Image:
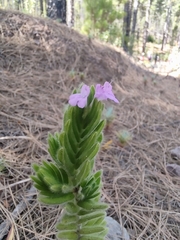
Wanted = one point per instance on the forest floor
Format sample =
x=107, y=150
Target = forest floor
x=41, y=62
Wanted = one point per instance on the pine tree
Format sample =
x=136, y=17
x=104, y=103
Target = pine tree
x=100, y=15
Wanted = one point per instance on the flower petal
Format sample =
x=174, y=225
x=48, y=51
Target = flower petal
x=99, y=93
x=80, y=99
x=82, y=102
x=73, y=99
x=85, y=90
x=105, y=92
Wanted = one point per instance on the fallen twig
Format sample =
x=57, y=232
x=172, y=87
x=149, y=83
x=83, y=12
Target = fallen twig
x=4, y=226
x=14, y=184
x=14, y=137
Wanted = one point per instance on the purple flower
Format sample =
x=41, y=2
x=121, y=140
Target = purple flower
x=80, y=99
x=104, y=92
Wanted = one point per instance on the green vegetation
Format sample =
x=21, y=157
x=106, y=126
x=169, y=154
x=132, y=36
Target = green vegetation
x=69, y=179
x=124, y=137
x=125, y=23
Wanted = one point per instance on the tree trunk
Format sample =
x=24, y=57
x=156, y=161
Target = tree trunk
x=79, y=18
x=135, y=12
x=134, y=21
x=81, y=10
x=127, y=24
x=146, y=25
x=57, y=10
x=61, y=10
x=17, y=4
x=166, y=26
x=41, y=7
x=70, y=15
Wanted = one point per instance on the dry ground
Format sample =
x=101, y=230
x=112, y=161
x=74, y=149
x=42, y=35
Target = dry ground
x=40, y=63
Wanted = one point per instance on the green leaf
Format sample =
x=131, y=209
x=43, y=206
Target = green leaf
x=91, y=230
x=90, y=153
x=91, y=96
x=56, y=188
x=92, y=124
x=50, y=181
x=66, y=188
x=74, y=129
x=68, y=235
x=35, y=167
x=69, y=150
x=36, y=180
x=69, y=226
x=92, y=193
x=53, y=171
x=92, y=237
x=94, y=221
x=63, y=158
x=67, y=218
x=69, y=181
x=73, y=140
x=58, y=173
x=77, y=117
x=85, y=219
x=83, y=172
x=55, y=199
x=92, y=205
x=72, y=208
x=53, y=146
x=68, y=115
x=88, y=141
